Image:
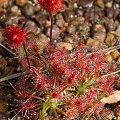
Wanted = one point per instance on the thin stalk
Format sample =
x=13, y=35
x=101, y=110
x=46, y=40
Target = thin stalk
x=12, y=76
x=111, y=73
x=94, y=11
x=29, y=98
x=26, y=55
x=37, y=97
x=107, y=49
x=40, y=57
x=56, y=113
x=54, y=77
x=64, y=88
x=7, y=49
x=61, y=111
x=50, y=114
x=50, y=13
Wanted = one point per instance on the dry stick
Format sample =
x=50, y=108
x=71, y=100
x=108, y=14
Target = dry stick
x=7, y=49
x=111, y=73
x=12, y=76
x=104, y=50
x=15, y=54
x=26, y=55
x=107, y=49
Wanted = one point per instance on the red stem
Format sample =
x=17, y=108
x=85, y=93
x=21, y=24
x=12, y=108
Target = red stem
x=51, y=27
x=26, y=55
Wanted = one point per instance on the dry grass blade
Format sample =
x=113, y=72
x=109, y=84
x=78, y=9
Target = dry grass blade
x=7, y=49
x=107, y=49
x=11, y=76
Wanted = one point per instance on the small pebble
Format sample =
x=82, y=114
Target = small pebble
x=69, y=15
x=55, y=32
x=115, y=54
x=68, y=39
x=37, y=8
x=79, y=12
x=60, y=22
x=40, y=19
x=110, y=26
x=109, y=39
x=118, y=29
x=3, y=106
x=67, y=46
x=85, y=3
x=59, y=16
x=117, y=111
x=113, y=38
x=30, y=29
x=99, y=35
x=14, y=9
x=109, y=4
x=3, y=63
x=28, y=10
x=94, y=44
x=108, y=58
x=109, y=12
x=99, y=27
x=41, y=42
x=1, y=37
x=8, y=71
x=89, y=16
x=3, y=116
x=30, y=22
x=105, y=1
x=21, y=2
x=3, y=15
x=118, y=1
x=71, y=28
x=100, y=3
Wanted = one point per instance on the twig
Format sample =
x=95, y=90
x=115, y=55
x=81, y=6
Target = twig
x=111, y=73
x=104, y=50
x=12, y=76
x=7, y=49
x=107, y=49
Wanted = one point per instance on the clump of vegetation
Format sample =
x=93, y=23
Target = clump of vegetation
x=61, y=85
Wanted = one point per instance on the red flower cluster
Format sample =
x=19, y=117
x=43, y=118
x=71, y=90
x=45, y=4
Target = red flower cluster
x=51, y=5
x=14, y=35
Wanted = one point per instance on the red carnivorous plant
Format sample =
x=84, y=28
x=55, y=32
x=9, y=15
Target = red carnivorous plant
x=69, y=86
x=63, y=86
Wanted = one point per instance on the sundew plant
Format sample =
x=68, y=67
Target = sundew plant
x=62, y=85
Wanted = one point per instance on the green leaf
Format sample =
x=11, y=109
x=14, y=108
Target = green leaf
x=21, y=51
x=101, y=95
x=82, y=86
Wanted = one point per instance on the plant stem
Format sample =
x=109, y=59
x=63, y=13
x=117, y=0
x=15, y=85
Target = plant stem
x=54, y=77
x=56, y=113
x=26, y=55
x=50, y=13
